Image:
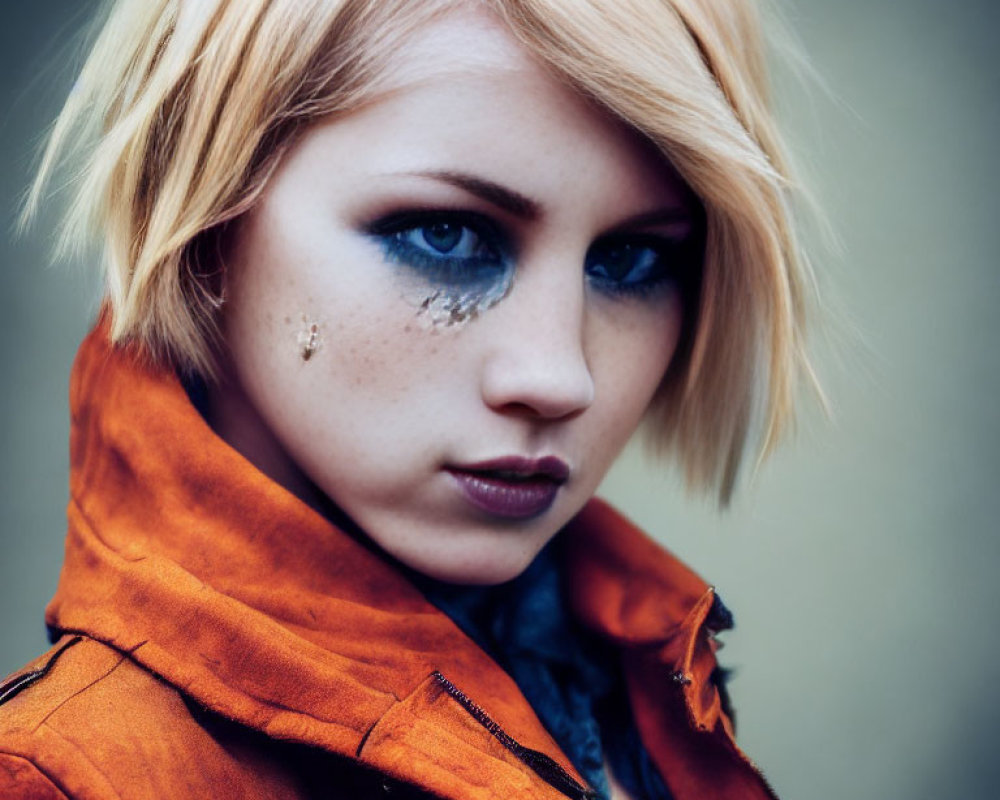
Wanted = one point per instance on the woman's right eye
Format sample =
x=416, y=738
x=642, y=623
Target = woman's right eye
x=446, y=239
x=453, y=248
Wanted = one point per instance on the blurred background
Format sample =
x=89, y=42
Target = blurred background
x=861, y=559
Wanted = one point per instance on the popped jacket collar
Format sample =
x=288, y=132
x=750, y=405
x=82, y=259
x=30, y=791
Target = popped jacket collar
x=183, y=555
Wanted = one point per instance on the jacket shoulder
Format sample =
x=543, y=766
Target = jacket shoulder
x=86, y=721
x=20, y=779
x=36, y=760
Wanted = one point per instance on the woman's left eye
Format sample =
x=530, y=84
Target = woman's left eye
x=635, y=265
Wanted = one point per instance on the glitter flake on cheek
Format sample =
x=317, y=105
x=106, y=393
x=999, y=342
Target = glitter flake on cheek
x=454, y=306
x=309, y=339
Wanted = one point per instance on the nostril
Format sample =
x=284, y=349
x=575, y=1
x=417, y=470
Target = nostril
x=533, y=411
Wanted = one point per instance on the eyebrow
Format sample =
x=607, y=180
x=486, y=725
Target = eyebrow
x=502, y=197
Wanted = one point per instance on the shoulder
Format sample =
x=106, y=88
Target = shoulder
x=39, y=750
x=85, y=721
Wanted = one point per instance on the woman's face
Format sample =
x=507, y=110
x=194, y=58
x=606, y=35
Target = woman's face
x=450, y=308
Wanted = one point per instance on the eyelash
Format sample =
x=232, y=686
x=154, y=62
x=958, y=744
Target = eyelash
x=495, y=253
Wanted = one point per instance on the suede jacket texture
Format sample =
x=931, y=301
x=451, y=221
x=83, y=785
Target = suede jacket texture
x=217, y=638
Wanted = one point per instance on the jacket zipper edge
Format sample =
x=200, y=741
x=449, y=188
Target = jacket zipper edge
x=541, y=764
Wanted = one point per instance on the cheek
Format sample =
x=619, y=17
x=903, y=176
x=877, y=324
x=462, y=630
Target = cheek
x=629, y=366
x=309, y=338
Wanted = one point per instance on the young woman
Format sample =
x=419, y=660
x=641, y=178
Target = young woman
x=390, y=285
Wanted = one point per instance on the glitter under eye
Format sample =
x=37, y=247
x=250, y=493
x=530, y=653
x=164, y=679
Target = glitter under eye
x=455, y=265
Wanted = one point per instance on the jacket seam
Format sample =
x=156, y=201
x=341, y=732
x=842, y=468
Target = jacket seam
x=184, y=690
x=364, y=738
x=77, y=693
x=83, y=756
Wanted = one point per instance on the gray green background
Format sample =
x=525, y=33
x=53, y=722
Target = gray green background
x=861, y=561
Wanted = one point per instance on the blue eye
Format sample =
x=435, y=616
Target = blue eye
x=454, y=249
x=636, y=265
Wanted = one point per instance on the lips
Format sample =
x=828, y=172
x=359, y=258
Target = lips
x=512, y=487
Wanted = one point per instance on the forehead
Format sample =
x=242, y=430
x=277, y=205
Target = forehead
x=459, y=94
x=462, y=59
x=459, y=42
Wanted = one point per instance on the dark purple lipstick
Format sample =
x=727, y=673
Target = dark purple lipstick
x=512, y=487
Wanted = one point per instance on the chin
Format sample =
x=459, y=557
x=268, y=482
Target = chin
x=473, y=566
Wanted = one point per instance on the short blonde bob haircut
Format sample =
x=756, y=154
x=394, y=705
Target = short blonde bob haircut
x=185, y=107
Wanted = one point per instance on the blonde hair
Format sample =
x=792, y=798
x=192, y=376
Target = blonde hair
x=190, y=105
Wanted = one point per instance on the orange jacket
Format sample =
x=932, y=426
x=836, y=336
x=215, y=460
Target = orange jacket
x=220, y=639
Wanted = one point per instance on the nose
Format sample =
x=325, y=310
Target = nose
x=536, y=362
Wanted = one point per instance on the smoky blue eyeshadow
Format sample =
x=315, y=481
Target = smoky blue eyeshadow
x=640, y=265
x=441, y=268
x=468, y=252
x=446, y=249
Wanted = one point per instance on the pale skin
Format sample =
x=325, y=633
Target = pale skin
x=339, y=386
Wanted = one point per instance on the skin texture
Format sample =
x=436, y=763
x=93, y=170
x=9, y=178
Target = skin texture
x=392, y=395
